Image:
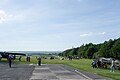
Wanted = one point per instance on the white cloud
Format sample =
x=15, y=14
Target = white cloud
x=92, y=34
x=2, y=16
x=8, y=17
x=86, y=34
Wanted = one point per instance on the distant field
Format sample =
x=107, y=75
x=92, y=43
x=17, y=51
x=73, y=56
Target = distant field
x=83, y=64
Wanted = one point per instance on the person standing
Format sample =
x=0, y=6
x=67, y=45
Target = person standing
x=112, y=65
x=28, y=58
x=0, y=57
x=20, y=58
x=9, y=60
x=94, y=63
x=39, y=61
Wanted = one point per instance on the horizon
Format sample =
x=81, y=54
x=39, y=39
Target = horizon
x=49, y=51
x=30, y=51
x=57, y=25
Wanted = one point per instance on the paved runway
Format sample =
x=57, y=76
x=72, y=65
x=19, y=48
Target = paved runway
x=55, y=72
x=44, y=72
x=17, y=72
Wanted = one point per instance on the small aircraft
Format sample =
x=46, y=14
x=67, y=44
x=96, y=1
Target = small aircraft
x=6, y=55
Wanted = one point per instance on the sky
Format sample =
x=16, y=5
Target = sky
x=57, y=25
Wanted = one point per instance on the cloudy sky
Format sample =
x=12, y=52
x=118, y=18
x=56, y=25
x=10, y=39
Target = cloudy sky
x=57, y=24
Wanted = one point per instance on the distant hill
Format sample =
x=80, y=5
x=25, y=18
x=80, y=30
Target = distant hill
x=107, y=49
x=37, y=52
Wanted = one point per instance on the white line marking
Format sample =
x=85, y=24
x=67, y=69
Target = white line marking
x=83, y=75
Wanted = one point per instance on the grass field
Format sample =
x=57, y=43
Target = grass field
x=83, y=64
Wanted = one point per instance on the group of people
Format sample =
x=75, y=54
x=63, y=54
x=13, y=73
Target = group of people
x=99, y=64
x=95, y=63
x=27, y=59
x=38, y=58
x=70, y=57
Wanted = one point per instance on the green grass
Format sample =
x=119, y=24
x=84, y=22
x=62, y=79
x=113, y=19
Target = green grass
x=83, y=64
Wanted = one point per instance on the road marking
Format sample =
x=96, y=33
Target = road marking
x=83, y=75
x=31, y=64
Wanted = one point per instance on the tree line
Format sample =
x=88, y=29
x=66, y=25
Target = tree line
x=108, y=49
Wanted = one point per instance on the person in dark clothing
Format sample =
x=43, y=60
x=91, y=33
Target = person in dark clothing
x=28, y=58
x=70, y=57
x=39, y=61
x=0, y=57
x=98, y=63
x=10, y=61
x=94, y=64
x=20, y=58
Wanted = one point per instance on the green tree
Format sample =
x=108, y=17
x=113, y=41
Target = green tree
x=116, y=49
x=109, y=48
x=90, y=51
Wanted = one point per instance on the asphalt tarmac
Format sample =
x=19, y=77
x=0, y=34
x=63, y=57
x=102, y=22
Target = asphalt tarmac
x=44, y=72
x=55, y=72
x=62, y=72
x=16, y=72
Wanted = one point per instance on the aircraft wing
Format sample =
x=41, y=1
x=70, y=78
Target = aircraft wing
x=13, y=53
x=17, y=54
